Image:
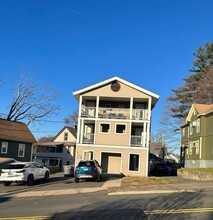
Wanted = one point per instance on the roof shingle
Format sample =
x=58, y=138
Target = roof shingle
x=15, y=131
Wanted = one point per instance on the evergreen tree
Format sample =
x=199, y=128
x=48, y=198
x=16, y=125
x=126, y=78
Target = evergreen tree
x=194, y=87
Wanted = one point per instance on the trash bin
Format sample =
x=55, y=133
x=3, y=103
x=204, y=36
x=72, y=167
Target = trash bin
x=69, y=170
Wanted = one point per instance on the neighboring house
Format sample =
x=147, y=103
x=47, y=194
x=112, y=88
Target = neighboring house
x=161, y=152
x=197, y=137
x=157, y=149
x=16, y=140
x=114, y=126
x=58, y=153
x=171, y=157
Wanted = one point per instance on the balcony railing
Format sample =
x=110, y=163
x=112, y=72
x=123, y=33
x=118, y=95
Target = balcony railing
x=137, y=141
x=114, y=113
x=88, y=138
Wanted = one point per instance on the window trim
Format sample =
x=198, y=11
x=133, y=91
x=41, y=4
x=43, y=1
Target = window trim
x=19, y=146
x=198, y=125
x=109, y=130
x=124, y=130
x=88, y=151
x=4, y=147
x=138, y=162
x=66, y=135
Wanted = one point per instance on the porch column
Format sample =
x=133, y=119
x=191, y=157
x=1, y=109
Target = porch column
x=131, y=107
x=79, y=116
x=97, y=107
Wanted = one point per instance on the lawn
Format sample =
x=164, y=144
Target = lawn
x=137, y=181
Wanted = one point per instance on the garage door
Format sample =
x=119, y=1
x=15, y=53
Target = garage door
x=111, y=163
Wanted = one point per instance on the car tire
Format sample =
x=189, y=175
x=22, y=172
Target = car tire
x=76, y=180
x=6, y=183
x=46, y=176
x=30, y=180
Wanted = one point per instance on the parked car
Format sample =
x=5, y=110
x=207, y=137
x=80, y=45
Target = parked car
x=163, y=169
x=88, y=169
x=23, y=172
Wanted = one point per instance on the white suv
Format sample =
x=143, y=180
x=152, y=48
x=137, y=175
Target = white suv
x=23, y=172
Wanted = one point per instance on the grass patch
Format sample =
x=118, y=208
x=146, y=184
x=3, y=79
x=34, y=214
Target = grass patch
x=144, y=181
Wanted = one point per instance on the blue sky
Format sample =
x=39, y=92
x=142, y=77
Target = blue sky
x=73, y=44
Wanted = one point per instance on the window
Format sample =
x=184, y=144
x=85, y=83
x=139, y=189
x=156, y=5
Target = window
x=21, y=150
x=88, y=155
x=105, y=128
x=133, y=162
x=198, y=126
x=65, y=136
x=4, y=147
x=183, y=132
x=191, y=128
x=120, y=129
x=190, y=148
x=197, y=147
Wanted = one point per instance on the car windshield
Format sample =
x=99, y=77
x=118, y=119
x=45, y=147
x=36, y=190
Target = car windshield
x=86, y=163
x=15, y=166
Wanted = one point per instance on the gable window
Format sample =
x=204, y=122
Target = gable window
x=21, y=150
x=4, y=147
x=198, y=126
x=191, y=128
x=133, y=162
x=65, y=136
x=88, y=155
x=104, y=128
x=120, y=129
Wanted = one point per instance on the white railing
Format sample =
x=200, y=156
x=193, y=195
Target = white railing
x=137, y=141
x=88, y=138
x=88, y=112
x=114, y=113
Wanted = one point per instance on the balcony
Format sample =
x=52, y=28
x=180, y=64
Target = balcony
x=137, y=141
x=88, y=138
x=115, y=113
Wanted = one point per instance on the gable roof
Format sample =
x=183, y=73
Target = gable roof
x=72, y=130
x=105, y=82
x=202, y=109
x=15, y=131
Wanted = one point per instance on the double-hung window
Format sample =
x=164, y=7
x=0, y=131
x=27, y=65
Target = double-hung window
x=88, y=155
x=4, y=147
x=134, y=162
x=21, y=150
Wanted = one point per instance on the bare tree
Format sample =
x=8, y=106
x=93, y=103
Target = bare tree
x=72, y=119
x=205, y=85
x=32, y=102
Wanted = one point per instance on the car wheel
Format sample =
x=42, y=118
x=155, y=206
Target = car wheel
x=77, y=180
x=46, y=176
x=30, y=180
x=6, y=183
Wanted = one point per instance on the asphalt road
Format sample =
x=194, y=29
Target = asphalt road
x=184, y=206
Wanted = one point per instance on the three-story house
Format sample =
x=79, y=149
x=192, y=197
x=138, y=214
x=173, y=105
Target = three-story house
x=114, y=126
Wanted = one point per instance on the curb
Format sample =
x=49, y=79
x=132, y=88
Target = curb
x=148, y=192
